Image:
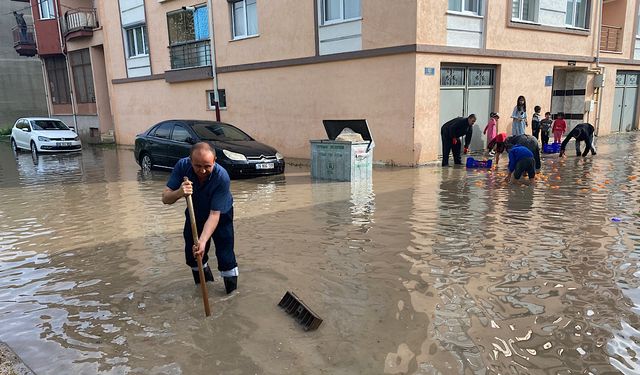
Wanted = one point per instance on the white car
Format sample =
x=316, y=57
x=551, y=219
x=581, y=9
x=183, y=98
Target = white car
x=40, y=134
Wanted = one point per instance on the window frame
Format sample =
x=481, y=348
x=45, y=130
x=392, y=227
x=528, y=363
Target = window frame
x=246, y=21
x=462, y=10
x=167, y=124
x=58, y=77
x=222, y=94
x=536, y=8
x=145, y=41
x=51, y=10
x=575, y=16
x=86, y=69
x=341, y=19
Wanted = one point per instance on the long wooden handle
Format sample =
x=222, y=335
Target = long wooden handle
x=194, y=232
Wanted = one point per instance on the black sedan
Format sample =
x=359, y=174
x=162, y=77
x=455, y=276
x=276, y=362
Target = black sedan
x=167, y=142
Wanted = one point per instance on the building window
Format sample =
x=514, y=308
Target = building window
x=58, y=80
x=578, y=13
x=340, y=10
x=82, y=76
x=222, y=99
x=189, y=38
x=466, y=6
x=244, y=18
x=137, y=42
x=525, y=10
x=47, y=10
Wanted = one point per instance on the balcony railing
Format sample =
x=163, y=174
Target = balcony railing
x=79, y=21
x=24, y=41
x=611, y=39
x=190, y=54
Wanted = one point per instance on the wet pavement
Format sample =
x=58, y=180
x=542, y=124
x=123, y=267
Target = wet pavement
x=425, y=271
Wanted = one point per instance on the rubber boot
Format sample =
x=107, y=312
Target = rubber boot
x=208, y=276
x=230, y=283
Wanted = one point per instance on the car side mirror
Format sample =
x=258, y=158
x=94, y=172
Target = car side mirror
x=190, y=140
x=27, y=130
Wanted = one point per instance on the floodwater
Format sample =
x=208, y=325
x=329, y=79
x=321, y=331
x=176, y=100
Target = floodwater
x=424, y=271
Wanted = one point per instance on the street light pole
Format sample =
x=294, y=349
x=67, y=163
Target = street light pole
x=216, y=98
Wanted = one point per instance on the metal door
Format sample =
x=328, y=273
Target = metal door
x=465, y=90
x=624, y=106
x=617, y=109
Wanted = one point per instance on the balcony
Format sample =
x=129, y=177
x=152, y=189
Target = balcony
x=78, y=23
x=611, y=39
x=24, y=41
x=190, y=54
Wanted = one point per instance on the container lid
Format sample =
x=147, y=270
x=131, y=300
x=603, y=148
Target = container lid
x=335, y=127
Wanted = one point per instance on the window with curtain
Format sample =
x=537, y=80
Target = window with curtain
x=82, y=76
x=47, y=10
x=244, y=18
x=189, y=38
x=466, y=6
x=340, y=10
x=137, y=42
x=58, y=79
x=577, y=13
x=525, y=10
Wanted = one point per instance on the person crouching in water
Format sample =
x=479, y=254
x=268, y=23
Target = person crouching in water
x=451, y=132
x=497, y=146
x=521, y=161
x=581, y=133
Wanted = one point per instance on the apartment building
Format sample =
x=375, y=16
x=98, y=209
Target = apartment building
x=282, y=66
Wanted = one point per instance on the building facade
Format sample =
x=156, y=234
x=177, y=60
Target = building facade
x=282, y=66
x=21, y=81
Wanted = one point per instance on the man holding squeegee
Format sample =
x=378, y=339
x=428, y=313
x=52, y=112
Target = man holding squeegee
x=208, y=183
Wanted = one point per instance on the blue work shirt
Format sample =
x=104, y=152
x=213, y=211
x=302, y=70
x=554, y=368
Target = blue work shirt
x=516, y=154
x=211, y=195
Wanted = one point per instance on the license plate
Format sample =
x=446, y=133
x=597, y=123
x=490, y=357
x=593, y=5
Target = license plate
x=63, y=144
x=264, y=166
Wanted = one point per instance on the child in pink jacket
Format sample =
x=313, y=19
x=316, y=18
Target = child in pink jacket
x=559, y=128
x=491, y=130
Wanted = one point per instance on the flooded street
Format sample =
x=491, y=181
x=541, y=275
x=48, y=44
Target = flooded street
x=425, y=271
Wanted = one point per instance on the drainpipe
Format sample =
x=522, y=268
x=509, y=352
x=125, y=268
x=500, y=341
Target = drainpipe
x=601, y=68
x=63, y=48
x=212, y=42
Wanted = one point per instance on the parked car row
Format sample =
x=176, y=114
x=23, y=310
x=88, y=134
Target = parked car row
x=242, y=156
x=162, y=145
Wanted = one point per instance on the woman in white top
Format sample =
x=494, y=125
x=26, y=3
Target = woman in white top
x=519, y=117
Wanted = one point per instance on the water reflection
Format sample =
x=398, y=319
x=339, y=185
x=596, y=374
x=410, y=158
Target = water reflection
x=421, y=271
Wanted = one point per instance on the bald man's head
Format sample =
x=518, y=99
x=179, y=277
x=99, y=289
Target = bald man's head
x=203, y=158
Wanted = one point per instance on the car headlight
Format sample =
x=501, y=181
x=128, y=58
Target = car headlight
x=76, y=138
x=43, y=139
x=234, y=155
x=279, y=156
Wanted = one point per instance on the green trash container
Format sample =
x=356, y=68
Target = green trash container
x=342, y=160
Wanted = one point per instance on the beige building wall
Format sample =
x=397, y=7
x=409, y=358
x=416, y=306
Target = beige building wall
x=388, y=23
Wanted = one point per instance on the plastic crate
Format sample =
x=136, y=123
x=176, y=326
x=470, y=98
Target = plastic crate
x=553, y=148
x=473, y=163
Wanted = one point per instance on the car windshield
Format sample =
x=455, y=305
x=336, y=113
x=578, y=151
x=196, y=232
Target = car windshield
x=216, y=131
x=49, y=125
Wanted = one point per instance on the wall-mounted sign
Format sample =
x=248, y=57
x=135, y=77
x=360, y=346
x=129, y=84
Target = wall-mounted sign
x=548, y=81
x=429, y=71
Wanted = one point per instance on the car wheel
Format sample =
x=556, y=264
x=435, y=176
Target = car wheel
x=14, y=146
x=34, y=148
x=146, y=163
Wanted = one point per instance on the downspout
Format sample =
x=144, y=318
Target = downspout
x=63, y=48
x=601, y=68
x=212, y=43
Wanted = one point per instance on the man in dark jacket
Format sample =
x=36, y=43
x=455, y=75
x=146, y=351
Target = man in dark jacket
x=581, y=133
x=527, y=141
x=451, y=133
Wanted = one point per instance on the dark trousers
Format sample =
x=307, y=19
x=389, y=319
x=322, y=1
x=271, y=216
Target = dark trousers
x=586, y=151
x=527, y=165
x=222, y=239
x=447, y=147
x=545, y=137
x=536, y=132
